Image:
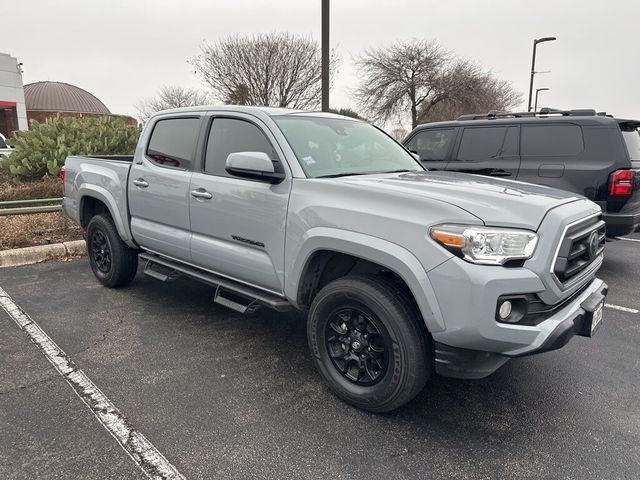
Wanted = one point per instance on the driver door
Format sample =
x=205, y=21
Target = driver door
x=238, y=224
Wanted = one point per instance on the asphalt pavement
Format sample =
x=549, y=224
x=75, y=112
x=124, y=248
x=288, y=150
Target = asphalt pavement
x=223, y=396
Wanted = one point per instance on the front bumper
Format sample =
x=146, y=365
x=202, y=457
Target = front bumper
x=467, y=295
x=576, y=320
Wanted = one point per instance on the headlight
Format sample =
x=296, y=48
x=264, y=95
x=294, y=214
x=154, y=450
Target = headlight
x=485, y=245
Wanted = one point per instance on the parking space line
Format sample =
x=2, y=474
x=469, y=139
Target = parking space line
x=622, y=309
x=134, y=443
x=628, y=239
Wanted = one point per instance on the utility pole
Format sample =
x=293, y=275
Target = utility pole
x=325, y=55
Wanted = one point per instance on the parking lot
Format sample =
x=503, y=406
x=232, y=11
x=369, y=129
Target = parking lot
x=226, y=396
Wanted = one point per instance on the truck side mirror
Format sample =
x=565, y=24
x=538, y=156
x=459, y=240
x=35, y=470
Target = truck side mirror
x=254, y=165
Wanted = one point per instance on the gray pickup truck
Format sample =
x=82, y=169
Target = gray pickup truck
x=403, y=272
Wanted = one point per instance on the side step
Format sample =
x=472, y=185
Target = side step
x=235, y=295
x=159, y=272
x=235, y=302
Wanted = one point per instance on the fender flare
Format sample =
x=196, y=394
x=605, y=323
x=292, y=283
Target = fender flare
x=86, y=190
x=377, y=250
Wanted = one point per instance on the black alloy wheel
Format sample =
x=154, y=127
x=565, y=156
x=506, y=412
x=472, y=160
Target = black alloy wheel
x=357, y=346
x=101, y=251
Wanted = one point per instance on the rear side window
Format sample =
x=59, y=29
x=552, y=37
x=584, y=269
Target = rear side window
x=173, y=142
x=2, y=143
x=230, y=135
x=551, y=140
x=432, y=144
x=632, y=140
x=484, y=143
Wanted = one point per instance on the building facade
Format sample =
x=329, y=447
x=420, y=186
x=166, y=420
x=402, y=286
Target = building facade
x=13, y=112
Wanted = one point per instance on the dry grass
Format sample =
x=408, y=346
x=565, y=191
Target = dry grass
x=17, y=231
x=10, y=189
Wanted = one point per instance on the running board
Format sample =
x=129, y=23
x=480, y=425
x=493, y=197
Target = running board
x=235, y=295
x=235, y=302
x=168, y=275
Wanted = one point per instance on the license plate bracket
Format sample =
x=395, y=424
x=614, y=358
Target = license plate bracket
x=593, y=307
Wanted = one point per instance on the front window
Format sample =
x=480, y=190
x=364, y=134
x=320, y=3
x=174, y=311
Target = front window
x=334, y=147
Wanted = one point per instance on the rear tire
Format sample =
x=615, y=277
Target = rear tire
x=113, y=262
x=369, y=342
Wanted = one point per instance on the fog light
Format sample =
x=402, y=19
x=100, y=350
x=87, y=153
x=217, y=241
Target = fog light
x=505, y=310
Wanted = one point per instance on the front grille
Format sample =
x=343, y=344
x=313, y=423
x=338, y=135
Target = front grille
x=582, y=245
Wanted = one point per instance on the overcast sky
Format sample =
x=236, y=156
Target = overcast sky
x=124, y=50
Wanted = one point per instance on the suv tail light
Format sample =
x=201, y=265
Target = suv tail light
x=61, y=176
x=621, y=183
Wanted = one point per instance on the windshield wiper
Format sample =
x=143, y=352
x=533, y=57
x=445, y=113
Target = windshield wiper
x=345, y=174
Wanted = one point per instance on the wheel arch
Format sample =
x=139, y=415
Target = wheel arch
x=95, y=200
x=325, y=254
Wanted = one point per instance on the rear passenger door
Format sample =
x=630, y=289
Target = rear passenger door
x=552, y=155
x=238, y=224
x=433, y=145
x=487, y=150
x=158, y=187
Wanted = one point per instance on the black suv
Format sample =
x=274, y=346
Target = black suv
x=581, y=151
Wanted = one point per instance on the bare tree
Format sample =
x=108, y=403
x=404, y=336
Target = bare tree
x=170, y=96
x=274, y=69
x=473, y=90
x=400, y=78
x=416, y=76
x=399, y=133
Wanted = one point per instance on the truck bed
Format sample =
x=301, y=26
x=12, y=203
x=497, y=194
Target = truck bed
x=103, y=177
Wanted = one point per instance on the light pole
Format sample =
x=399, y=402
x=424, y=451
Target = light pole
x=325, y=56
x=535, y=107
x=533, y=65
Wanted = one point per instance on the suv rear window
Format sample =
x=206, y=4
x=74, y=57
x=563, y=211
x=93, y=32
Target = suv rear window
x=551, y=140
x=632, y=139
x=173, y=141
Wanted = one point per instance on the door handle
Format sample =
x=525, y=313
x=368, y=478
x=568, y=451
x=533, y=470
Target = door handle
x=140, y=182
x=201, y=193
x=500, y=173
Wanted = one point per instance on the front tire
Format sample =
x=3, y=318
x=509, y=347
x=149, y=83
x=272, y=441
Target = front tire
x=113, y=262
x=368, y=341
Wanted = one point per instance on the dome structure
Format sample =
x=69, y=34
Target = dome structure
x=62, y=98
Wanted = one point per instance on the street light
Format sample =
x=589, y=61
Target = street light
x=533, y=65
x=325, y=56
x=535, y=108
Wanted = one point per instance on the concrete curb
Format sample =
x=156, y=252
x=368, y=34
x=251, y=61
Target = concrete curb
x=41, y=253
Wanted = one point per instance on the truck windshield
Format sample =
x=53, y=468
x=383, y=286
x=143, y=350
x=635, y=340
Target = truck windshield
x=632, y=139
x=335, y=147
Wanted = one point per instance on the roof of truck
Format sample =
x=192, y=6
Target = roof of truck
x=270, y=111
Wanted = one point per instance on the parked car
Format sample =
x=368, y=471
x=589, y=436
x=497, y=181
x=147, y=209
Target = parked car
x=4, y=148
x=401, y=271
x=591, y=154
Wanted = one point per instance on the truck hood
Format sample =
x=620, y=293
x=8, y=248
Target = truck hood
x=497, y=202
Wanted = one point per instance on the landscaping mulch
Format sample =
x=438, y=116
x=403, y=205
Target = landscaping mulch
x=17, y=231
x=11, y=189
